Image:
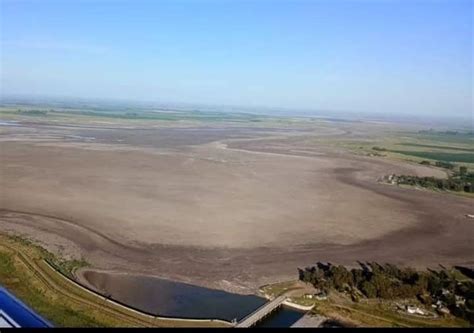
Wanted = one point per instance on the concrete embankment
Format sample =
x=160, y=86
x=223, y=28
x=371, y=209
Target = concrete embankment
x=289, y=303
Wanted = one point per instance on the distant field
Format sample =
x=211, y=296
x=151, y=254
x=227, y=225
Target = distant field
x=413, y=146
x=143, y=115
x=158, y=117
x=439, y=156
x=436, y=147
x=440, y=138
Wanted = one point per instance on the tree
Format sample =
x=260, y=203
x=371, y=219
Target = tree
x=421, y=283
x=383, y=285
x=470, y=304
x=340, y=277
x=435, y=285
x=368, y=289
x=358, y=277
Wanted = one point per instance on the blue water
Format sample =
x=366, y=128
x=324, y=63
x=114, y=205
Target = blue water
x=175, y=299
x=284, y=317
x=172, y=299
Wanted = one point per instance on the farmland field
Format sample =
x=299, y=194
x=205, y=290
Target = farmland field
x=439, y=156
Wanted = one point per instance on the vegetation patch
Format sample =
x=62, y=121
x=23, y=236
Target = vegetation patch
x=461, y=181
x=436, y=147
x=68, y=267
x=37, y=113
x=425, y=294
x=277, y=289
x=439, y=156
x=17, y=276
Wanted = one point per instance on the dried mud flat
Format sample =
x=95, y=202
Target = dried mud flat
x=229, y=208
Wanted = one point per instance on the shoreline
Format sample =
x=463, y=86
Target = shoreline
x=119, y=256
x=127, y=306
x=35, y=260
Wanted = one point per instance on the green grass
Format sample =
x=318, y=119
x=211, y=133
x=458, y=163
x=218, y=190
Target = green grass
x=436, y=146
x=438, y=156
x=18, y=281
x=367, y=312
x=6, y=266
x=277, y=289
x=373, y=313
x=440, y=138
x=25, y=273
x=68, y=267
x=387, y=312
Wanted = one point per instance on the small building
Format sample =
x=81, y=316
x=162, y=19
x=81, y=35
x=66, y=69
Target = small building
x=320, y=296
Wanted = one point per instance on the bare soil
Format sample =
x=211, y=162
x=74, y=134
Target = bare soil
x=230, y=208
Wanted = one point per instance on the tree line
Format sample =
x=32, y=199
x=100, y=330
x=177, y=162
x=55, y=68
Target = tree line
x=459, y=181
x=387, y=281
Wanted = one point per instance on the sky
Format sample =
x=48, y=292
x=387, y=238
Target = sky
x=390, y=57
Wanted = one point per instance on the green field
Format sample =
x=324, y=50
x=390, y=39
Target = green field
x=438, y=156
x=415, y=146
x=436, y=147
x=462, y=138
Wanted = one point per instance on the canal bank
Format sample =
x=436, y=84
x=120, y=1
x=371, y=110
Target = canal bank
x=166, y=298
x=172, y=299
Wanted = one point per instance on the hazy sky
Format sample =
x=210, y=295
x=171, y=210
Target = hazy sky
x=377, y=56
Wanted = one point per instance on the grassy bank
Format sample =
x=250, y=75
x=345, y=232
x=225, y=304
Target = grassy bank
x=24, y=272
x=375, y=313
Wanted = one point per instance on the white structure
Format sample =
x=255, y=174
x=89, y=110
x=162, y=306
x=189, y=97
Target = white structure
x=415, y=310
